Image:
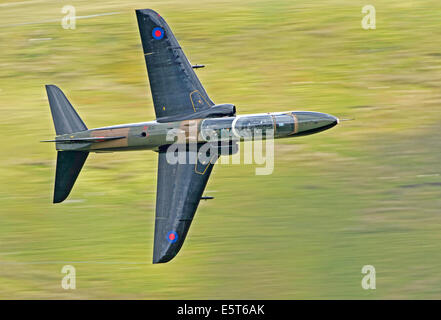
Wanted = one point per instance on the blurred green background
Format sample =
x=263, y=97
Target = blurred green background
x=366, y=192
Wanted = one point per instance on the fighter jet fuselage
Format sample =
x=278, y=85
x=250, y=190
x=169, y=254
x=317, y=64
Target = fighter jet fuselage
x=153, y=135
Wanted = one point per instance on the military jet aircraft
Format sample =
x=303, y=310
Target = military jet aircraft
x=180, y=103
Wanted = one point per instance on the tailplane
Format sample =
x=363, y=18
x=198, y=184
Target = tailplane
x=66, y=119
x=69, y=163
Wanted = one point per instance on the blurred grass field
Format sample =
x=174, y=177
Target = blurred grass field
x=367, y=192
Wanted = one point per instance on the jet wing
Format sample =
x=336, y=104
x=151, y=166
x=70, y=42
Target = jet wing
x=179, y=190
x=176, y=90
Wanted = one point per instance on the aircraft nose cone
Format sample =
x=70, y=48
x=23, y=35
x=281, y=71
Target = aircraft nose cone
x=313, y=122
x=326, y=121
x=331, y=119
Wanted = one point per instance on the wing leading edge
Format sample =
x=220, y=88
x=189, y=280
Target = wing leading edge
x=176, y=90
x=179, y=190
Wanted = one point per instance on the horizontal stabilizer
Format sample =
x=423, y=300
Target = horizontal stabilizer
x=66, y=119
x=69, y=164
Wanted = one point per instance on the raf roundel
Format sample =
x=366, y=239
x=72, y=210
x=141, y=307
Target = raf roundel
x=158, y=33
x=172, y=237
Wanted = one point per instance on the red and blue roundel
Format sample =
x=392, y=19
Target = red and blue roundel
x=172, y=237
x=158, y=33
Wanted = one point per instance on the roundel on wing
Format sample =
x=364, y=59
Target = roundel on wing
x=172, y=237
x=158, y=33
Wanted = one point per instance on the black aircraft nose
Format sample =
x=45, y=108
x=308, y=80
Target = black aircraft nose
x=331, y=120
x=313, y=122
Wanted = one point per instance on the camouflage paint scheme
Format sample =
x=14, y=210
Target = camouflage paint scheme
x=181, y=105
x=153, y=135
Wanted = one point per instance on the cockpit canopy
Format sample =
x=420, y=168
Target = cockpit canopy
x=249, y=126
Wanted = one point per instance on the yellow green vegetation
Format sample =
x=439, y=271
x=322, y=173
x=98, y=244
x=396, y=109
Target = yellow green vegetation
x=367, y=192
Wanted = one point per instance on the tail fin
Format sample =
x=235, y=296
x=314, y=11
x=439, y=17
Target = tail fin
x=66, y=119
x=69, y=163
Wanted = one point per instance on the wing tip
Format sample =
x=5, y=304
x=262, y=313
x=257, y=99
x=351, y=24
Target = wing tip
x=157, y=259
x=147, y=12
x=58, y=197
